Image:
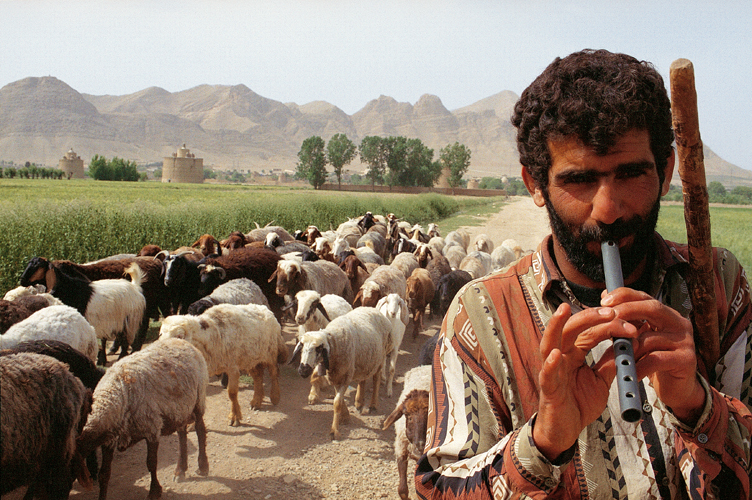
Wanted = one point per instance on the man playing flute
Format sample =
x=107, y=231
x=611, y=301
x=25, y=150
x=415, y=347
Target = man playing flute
x=523, y=398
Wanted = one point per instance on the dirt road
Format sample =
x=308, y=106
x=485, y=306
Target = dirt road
x=284, y=451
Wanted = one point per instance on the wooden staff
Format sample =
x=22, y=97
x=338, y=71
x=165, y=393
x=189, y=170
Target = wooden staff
x=700, y=279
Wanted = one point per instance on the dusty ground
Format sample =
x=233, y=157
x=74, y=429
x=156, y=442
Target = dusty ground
x=284, y=451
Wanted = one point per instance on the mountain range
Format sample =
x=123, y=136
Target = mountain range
x=234, y=128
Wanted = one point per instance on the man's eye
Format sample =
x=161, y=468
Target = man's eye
x=631, y=173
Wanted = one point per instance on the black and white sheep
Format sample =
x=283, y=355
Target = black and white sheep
x=44, y=407
x=62, y=323
x=351, y=349
x=151, y=393
x=237, y=291
x=114, y=307
x=234, y=339
x=410, y=432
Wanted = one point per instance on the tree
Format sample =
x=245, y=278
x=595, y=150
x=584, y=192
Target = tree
x=372, y=152
x=312, y=164
x=716, y=188
x=340, y=151
x=456, y=157
x=420, y=169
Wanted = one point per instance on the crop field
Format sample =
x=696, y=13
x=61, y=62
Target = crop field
x=86, y=220
x=730, y=227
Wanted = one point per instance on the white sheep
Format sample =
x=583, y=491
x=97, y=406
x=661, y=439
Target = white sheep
x=483, y=243
x=151, y=393
x=351, y=349
x=410, y=432
x=314, y=312
x=237, y=291
x=60, y=322
x=394, y=308
x=234, y=339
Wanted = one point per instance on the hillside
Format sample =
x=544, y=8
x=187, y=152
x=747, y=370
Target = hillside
x=232, y=127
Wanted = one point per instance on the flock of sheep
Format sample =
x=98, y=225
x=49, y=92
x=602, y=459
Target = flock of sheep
x=351, y=291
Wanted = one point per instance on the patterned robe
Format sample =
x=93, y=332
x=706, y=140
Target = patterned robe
x=484, y=397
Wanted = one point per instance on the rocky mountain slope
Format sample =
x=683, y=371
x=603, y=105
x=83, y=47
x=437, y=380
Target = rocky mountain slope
x=232, y=127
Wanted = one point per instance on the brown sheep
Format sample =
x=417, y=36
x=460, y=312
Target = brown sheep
x=207, y=244
x=420, y=292
x=351, y=265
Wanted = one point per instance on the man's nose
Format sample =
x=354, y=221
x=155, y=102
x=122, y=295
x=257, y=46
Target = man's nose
x=607, y=203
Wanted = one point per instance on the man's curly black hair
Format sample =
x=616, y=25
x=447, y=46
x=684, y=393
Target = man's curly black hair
x=597, y=96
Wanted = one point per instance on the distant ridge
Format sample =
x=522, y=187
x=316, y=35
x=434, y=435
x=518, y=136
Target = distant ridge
x=232, y=127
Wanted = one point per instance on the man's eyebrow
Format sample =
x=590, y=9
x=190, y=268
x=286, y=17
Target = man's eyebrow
x=578, y=175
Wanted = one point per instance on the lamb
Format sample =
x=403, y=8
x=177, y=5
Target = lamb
x=237, y=291
x=419, y=294
x=437, y=245
x=152, y=286
x=410, y=432
x=234, y=339
x=383, y=281
x=373, y=240
x=461, y=236
x=323, y=276
x=62, y=323
x=437, y=268
x=112, y=306
x=151, y=393
x=394, y=308
x=352, y=348
x=259, y=234
x=454, y=254
x=44, y=408
x=355, y=270
x=405, y=262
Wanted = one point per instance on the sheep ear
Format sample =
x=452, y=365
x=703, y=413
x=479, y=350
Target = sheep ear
x=293, y=303
x=396, y=413
x=358, y=299
x=405, y=316
x=296, y=352
x=320, y=307
x=222, y=273
x=273, y=276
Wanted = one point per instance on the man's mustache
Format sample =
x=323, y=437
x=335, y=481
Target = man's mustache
x=610, y=232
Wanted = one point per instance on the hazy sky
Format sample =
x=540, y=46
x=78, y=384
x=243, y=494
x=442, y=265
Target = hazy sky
x=350, y=52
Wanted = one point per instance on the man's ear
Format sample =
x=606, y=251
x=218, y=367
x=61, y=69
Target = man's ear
x=669, y=172
x=532, y=187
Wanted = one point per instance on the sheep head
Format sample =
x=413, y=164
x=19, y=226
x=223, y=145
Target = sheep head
x=308, y=302
x=178, y=327
x=211, y=277
x=35, y=271
x=288, y=275
x=314, y=349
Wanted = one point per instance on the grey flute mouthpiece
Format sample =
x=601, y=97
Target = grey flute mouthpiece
x=630, y=401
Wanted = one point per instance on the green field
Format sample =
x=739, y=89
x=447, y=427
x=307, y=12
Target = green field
x=730, y=227
x=87, y=220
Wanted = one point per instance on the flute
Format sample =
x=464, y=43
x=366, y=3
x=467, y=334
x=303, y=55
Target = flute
x=626, y=374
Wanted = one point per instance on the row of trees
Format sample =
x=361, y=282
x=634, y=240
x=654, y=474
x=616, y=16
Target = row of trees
x=395, y=161
x=31, y=172
x=717, y=193
x=117, y=169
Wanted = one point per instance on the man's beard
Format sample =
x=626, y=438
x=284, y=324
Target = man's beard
x=590, y=264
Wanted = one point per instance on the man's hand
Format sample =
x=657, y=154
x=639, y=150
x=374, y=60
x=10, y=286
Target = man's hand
x=664, y=351
x=572, y=393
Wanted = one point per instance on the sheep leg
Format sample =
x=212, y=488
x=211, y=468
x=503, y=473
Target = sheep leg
x=258, y=386
x=105, y=471
x=417, y=323
x=203, y=461
x=121, y=340
x=182, y=464
x=274, y=375
x=375, y=395
x=341, y=414
x=233, y=381
x=360, y=394
x=152, y=452
x=138, y=342
x=315, y=393
x=102, y=355
x=402, y=470
x=390, y=370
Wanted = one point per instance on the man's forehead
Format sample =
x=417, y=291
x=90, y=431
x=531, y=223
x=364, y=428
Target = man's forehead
x=633, y=146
